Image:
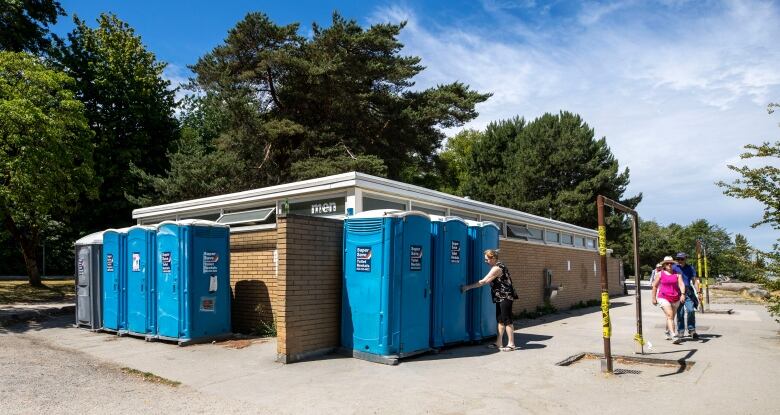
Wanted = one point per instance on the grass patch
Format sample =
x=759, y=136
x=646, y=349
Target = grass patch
x=23, y=292
x=265, y=329
x=150, y=377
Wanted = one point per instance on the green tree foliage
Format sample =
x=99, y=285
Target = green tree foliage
x=454, y=161
x=45, y=151
x=129, y=107
x=24, y=24
x=762, y=184
x=340, y=100
x=552, y=167
x=196, y=168
x=759, y=183
x=489, y=167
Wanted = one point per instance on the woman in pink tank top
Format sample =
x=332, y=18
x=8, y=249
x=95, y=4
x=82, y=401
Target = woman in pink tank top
x=668, y=288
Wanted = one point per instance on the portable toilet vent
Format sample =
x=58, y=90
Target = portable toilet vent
x=386, y=300
x=193, y=281
x=141, y=301
x=482, y=325
x=115, y=280
x=88, y=281
x=449, y=311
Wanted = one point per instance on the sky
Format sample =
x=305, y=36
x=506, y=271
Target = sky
x=677, y=87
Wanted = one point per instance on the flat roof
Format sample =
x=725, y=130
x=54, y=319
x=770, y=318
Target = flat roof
x=343, y=182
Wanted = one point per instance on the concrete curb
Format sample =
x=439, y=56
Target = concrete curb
x=16, y=315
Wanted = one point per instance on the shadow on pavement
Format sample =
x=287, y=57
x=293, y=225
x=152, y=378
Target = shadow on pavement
x=560, y=315
x=40, y=323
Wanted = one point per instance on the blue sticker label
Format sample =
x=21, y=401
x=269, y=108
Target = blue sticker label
x=415, y=257
x=363, y=259
x=455, y=252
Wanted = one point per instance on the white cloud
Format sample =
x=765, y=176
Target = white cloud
x=676, y=101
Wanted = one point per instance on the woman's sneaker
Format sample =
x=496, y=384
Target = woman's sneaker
x=676, y=339
x=668, y=335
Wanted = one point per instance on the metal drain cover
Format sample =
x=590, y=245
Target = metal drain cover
x=620, y=371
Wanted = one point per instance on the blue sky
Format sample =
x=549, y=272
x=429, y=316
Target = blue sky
x=677, y=87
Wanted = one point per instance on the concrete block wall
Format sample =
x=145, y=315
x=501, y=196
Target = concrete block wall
x=253, y=279
x=576, y=269
x=309, y=286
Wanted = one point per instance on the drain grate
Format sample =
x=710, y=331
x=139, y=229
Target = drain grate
x=620, y=371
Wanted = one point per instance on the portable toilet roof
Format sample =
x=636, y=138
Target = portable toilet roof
x=91, y=239
x=381, y=213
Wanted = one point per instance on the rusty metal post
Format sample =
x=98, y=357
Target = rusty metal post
x=605, y=322
x=699, y=274
x=639, y=341
x=706, y=278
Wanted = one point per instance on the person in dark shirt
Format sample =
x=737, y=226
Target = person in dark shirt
x=690, y=303
x=503, y=294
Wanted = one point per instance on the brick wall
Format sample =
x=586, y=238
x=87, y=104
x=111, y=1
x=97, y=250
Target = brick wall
x=253, y=279
x=572, y=268
x=309, y=286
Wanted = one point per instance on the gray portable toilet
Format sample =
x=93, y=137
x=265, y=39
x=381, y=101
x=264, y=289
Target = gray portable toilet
x=89, y=270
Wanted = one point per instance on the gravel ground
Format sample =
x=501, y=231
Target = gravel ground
x=39, y=378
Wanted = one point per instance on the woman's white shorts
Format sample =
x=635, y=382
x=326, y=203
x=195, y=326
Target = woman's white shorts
x=663, y=302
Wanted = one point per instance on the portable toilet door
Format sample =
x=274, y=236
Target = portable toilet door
x=193, y=280
x=114, y=280
x=449, y=311
x=141, y=306
x=88, y=281
x=366, y=323
x=416, y=283
x=483, y=236
x=386, y=286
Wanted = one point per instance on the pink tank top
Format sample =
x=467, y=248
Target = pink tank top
x=668, y=288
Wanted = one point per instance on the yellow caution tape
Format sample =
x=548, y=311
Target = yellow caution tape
x=605, y=323
x=639, y=339
x=602, y=240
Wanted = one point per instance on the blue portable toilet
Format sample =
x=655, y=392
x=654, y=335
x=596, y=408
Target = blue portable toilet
x=141, y=308
x=115, y=280
x=482, y=325
x=386, y=301
x=193, y=281
x=449, y=311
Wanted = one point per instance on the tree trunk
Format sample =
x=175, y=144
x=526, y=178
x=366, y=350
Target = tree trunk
x=30, y=262
x=27, y=246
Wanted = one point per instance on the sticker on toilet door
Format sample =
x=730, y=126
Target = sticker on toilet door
x=363, y=259
x=207, y=303
x=415, y=257
x=136, y=261
x=455, y=252
x=109, y=263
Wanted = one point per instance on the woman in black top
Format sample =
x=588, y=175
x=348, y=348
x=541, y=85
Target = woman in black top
x=503, y=294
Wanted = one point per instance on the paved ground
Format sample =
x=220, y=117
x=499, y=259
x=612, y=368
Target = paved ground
x=737, y=363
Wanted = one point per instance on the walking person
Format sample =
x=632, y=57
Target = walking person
x=658, y=267
x=668, y=288
x=503, y=294
x=689, y=302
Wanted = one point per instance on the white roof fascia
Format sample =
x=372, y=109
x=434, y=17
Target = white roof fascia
x=405, y=190
x=336, y=182
x=359, y=180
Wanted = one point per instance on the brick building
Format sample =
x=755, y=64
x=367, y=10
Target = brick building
x=286, y=251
